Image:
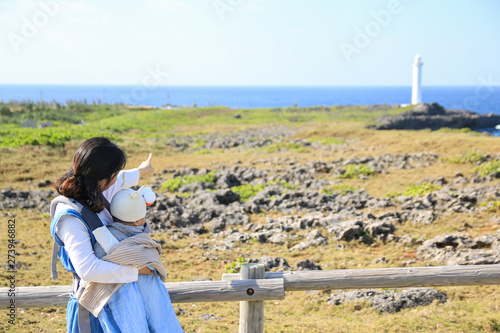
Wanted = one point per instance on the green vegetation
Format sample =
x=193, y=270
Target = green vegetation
x=247, y=191
x=457, y=130
x=327, y=141
x=422, y=189
x=488, y=168
x=174, y=184
x=199, y=143
x=285, y=185
x=283, y=146
x=206, y=152
x=186, y=257
x=138, y=122
x=417, y=190
x=354, y=170
x=471, y=156
x=50, y=136
x=339, y=188
x=492, y=206
x=16, y=112
x=235, y=266
x=495, y=206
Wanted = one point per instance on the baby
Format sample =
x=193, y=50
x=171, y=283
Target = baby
x=128, y=208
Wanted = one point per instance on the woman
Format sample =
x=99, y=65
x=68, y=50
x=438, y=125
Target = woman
x=93, y=179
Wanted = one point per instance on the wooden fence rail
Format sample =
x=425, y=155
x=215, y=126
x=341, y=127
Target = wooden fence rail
x=180, y=292
x=251, y=291
x=385, y=277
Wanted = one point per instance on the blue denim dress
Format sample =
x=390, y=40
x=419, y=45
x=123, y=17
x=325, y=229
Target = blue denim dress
x=143, y=305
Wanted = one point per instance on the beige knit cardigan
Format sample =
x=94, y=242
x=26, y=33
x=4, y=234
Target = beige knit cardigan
x=139, y=251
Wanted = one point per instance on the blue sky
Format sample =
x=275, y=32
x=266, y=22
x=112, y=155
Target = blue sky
x=249, y=42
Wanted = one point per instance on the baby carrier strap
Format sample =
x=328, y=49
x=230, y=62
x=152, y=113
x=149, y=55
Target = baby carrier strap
x=80, y=207
x=92, y=222
x=89, y=217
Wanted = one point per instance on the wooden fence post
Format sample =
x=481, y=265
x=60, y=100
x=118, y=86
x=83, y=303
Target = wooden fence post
x=252, y=312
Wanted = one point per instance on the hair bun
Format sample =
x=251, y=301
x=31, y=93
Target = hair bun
x=79, y=178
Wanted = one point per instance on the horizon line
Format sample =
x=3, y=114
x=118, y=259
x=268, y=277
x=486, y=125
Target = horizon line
x=230, y=86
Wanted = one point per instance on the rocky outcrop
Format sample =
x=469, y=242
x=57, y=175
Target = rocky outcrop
x=38, y=199
x=434, y=116
x=271, y=263
x=308, y=265
x=456, y=249
x=251, y=138
x=387, y=301
x=308, y=213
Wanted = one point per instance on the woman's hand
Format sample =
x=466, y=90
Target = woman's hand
x=145, y=271
x=146, y=168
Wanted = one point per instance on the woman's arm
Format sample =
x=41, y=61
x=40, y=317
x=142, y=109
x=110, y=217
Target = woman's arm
x=76, y=240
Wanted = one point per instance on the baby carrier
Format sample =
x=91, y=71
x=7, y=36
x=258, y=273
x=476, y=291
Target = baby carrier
x=79, y=319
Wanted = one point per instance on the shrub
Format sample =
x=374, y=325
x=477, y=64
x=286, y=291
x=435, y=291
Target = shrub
x=354, y=170
x=456, y=130
x=5, y=111
x=488, y=167
x=50, y=136
x=283, y=184
x=199, y=143
x=421, y=189
x=174, y=184
x=492, y=206
x=471, y=156
x=248, y=190
x=235, y=266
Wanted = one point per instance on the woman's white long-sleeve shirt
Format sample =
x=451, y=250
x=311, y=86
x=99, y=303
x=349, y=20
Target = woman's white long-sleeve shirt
x=76, y=239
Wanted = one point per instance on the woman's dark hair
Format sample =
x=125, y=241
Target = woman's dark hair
x=95, y=160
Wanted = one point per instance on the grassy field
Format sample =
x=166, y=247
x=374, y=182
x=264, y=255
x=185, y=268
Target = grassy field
x=32, y=155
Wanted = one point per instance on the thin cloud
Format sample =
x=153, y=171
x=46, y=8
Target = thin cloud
x=6, y=6
x=170, y=6
x=255, y=5
x=78, y=8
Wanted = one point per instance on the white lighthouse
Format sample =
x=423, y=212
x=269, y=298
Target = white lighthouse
x=416, y=87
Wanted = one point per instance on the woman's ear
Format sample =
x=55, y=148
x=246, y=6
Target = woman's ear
x=104, y=184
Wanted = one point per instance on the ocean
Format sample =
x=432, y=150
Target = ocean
x=481, y=99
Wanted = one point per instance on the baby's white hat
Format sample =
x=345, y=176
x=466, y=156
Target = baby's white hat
x=129, y=205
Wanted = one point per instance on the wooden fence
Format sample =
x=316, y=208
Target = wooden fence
x=253, y=286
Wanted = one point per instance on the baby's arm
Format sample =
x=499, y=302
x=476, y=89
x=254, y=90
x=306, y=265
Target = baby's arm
x=105, y=238
x=132, y=177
